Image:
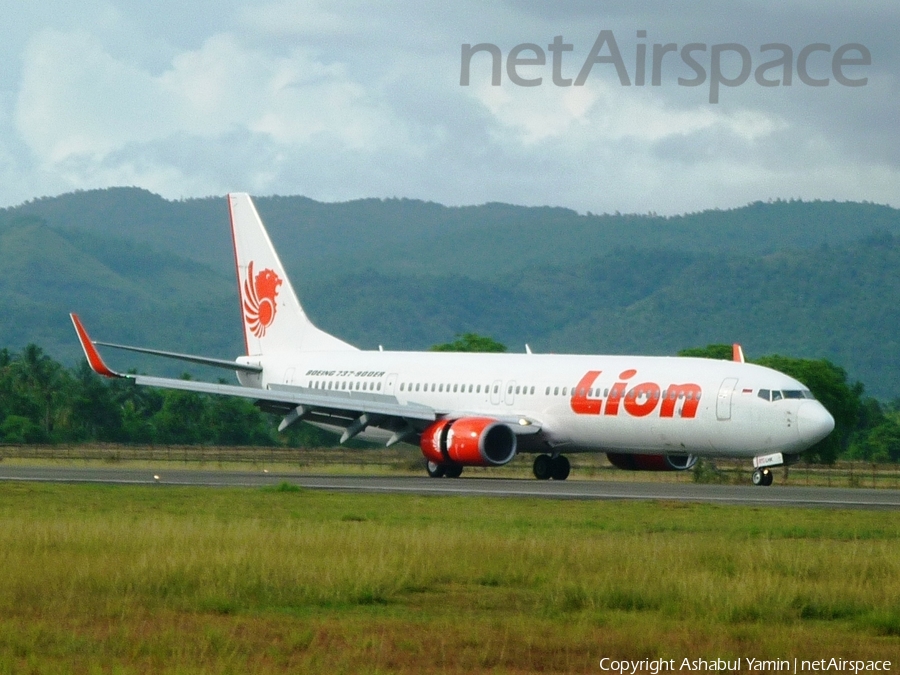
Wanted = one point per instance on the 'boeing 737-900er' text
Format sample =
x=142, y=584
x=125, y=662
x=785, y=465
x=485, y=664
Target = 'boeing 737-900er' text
x=463, y=409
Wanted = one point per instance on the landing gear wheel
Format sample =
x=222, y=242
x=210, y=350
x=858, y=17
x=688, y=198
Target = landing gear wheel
x=453, y=471
x=560, y=467
x=543, y=467
x=762, y=477
x=434, y=469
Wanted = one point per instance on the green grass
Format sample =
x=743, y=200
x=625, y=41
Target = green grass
x=181, y=580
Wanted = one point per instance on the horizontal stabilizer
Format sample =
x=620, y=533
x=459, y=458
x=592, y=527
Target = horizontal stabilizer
x=202, y=360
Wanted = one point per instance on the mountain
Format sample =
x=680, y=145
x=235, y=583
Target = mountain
x=812, y=279
x=125, y=291
x=319, y=240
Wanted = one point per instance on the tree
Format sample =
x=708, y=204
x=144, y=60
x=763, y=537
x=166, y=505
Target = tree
x=38, y=387
x=94, y=410
x=721, y=352
x=179, y=420
x=233, y=421
x=881, y=443
x=470, y=342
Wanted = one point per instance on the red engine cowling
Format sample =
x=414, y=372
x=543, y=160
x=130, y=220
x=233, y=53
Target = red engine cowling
x=469, y=441
x=651, y=462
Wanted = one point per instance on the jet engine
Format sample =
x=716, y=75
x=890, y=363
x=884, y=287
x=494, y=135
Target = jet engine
x=651, y=462
x=469, y=441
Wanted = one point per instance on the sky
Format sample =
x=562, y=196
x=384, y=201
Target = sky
x=346, y=99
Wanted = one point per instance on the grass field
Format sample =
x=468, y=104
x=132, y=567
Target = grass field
x=181, y=580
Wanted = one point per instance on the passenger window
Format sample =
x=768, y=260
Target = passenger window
x=478, y=389
x=565, y=389
x=496, y=388
x=556, y=391
x=532, y=391
x=379, y=386
x=470, y=388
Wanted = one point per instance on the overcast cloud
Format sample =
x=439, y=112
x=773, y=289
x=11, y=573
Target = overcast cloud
x=344, y=99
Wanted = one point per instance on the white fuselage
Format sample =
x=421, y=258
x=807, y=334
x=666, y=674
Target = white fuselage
x=632, y=404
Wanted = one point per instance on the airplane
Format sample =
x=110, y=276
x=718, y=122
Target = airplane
x=646, y=413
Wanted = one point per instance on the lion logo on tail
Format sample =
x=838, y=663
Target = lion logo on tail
x=259, y=299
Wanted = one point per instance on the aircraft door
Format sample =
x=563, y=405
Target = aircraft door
x=510, y=394
x=390, y=383
x=495, y=392
x=723, y=400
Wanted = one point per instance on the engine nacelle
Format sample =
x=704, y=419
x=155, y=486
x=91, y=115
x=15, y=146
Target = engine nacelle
x=469, y=441
x=651, y=462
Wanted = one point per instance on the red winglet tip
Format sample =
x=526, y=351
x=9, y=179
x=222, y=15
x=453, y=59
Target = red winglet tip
x=90, y=351
x=737, y=353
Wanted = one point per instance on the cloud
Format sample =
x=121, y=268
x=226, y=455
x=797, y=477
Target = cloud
x=346, y=99
x=84, y=112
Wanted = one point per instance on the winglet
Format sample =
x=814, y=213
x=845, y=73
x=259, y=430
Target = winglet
x=737, y=353
x=90, y=351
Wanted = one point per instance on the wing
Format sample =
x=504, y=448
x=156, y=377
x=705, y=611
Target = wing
x=351, y=412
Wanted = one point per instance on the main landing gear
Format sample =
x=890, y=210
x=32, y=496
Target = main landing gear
x=436, y=470
x=547, y=466
x=762, y=477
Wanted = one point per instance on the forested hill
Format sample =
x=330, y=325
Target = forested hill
x=315, y=238
x=811, y=279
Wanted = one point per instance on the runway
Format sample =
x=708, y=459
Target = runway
x=747, y=495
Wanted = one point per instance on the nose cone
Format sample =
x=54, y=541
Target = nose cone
x=813, y=422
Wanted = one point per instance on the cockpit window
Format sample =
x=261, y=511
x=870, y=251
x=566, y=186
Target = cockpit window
x=776, y=395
